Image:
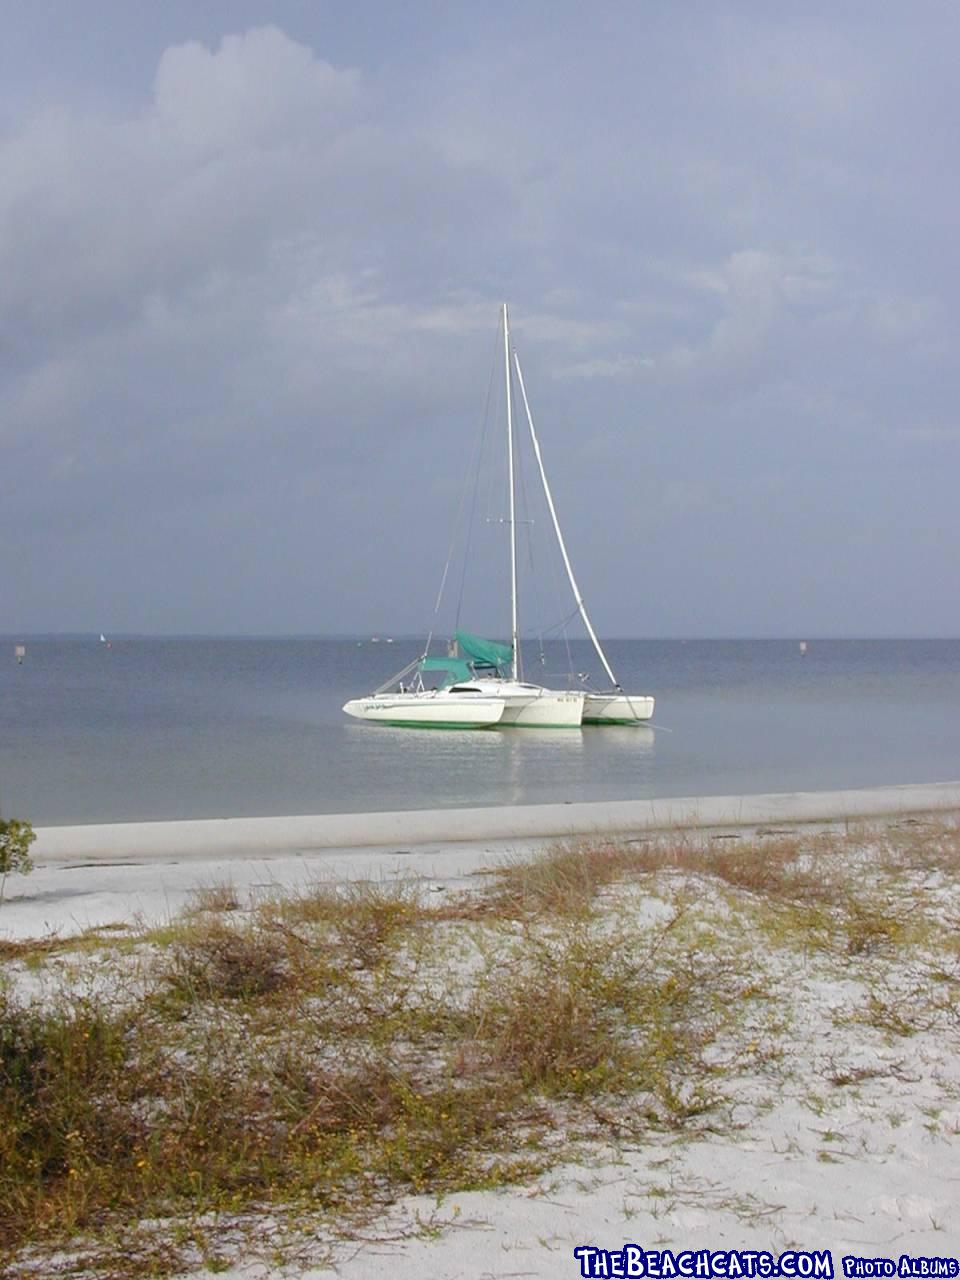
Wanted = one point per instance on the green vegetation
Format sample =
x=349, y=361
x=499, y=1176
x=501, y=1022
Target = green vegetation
x=15, y=840
x=311, y=1058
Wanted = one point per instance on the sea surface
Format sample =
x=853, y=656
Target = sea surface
x=216, y=727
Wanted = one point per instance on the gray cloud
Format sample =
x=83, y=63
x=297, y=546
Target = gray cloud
x=247, y=317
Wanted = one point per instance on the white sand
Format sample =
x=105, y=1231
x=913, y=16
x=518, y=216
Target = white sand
x=233, y=837
x=89, y=876
x=875, y=1173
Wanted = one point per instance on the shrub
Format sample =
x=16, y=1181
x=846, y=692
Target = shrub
x=15, y=840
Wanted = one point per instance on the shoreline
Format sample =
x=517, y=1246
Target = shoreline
x=211, y=837
x=112, y=875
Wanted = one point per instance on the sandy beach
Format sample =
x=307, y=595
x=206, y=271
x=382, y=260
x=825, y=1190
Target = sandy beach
x=852, y=1143
x=94, y=875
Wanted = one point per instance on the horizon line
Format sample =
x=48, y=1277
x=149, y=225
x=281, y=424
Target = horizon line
x=403, y=637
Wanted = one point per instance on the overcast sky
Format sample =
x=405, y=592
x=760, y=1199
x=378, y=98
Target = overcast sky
x=251, y=256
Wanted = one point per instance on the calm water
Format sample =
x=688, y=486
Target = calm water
x=162, y=728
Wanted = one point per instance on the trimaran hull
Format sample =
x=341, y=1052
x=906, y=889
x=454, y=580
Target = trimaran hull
x=534, y=707
x=552, y=710
x=428, y=710
x=617, y=708
x=549, y=709
x=539, y=709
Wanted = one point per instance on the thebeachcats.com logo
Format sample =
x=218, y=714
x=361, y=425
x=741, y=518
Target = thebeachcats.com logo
x=597, y=1263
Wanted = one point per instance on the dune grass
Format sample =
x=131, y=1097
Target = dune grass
x=310, y=1058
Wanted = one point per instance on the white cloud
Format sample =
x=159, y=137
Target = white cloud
x=256, y=89
x=243, y=226
x=272, y=265
x=751, y=286
x=97, y=211
x=766, y=297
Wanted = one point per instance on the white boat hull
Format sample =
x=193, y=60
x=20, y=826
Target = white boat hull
x=549, y=709
x=428, y=710
x=531, y=706
x=617, y=708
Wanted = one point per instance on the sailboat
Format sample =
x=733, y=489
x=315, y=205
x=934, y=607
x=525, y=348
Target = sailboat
x=479, y=674
x=473, y=694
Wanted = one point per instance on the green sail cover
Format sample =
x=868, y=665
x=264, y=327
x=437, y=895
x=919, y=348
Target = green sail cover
x=457, y=669
x=487, y=653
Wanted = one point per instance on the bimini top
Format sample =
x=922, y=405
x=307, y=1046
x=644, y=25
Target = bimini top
x=480, y=657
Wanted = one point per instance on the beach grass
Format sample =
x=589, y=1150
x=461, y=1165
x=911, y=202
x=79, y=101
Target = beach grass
x=304, y=1060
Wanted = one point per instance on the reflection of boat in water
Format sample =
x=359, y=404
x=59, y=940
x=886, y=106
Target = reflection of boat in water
x=636, y=737
x=486, y=671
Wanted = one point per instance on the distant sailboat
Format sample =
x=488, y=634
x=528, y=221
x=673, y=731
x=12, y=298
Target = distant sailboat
x=803, y=648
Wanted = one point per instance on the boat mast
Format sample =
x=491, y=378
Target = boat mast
x=556, y=528
x=514, y=639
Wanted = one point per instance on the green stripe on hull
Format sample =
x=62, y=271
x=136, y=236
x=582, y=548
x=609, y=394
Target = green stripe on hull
x=601, y=720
